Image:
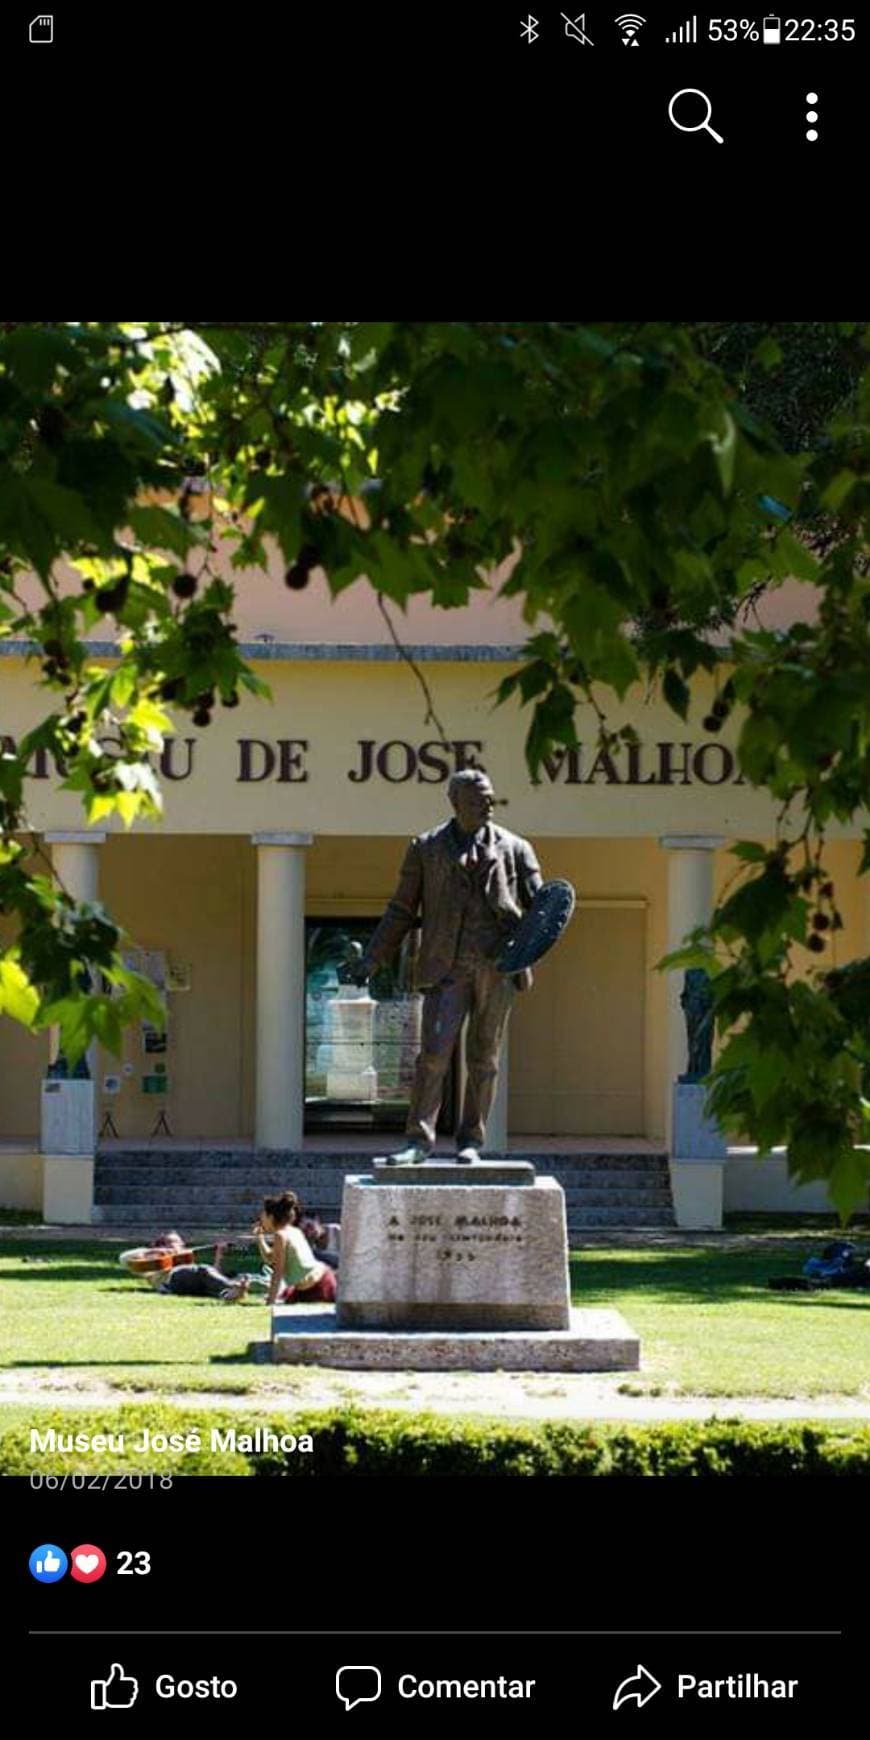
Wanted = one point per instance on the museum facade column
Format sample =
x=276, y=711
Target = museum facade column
x=280, y=1072
x=696, y=1183
x=690, y=903
x=68, y=1114
x=75, y=860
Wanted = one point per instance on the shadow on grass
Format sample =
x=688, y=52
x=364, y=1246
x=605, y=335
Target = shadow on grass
x=61, y=1365
x=63, y=1272
x=141, y=1292
x=760, y=1221
x=98, y=1249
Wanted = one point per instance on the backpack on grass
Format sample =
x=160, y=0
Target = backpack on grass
x=840, y=1265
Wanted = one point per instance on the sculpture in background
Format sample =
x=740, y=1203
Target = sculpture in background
x=697, y=1005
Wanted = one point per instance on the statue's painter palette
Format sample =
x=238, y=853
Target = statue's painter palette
x=540, y=927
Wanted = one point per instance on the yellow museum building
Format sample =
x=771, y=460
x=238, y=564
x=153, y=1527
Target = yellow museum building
x=285, y=824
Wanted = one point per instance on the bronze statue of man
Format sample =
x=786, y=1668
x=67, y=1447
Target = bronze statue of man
x=471, y=882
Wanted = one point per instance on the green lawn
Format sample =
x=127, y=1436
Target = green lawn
x=708, y=1324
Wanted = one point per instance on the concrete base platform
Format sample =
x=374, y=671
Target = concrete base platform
x=595, y=1341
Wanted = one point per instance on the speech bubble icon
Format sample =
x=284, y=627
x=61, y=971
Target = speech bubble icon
x=358, y=1685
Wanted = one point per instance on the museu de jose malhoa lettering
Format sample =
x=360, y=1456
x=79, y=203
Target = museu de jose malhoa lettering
x=398, y=762
x=395, y=761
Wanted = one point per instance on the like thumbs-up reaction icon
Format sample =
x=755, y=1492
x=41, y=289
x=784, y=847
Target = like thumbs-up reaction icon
x=48, y=1563
x=118, y=1692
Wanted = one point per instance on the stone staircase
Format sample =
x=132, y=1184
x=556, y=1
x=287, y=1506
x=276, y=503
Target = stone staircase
x=224, y=1189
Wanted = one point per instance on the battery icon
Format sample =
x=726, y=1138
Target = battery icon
x=771, y=30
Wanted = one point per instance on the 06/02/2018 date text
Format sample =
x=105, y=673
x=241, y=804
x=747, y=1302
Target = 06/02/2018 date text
x=99, y=1482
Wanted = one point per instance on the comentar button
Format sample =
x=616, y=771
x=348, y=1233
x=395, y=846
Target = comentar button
x=501, y=1688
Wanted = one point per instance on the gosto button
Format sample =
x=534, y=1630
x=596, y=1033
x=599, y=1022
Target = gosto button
x=168, y=1687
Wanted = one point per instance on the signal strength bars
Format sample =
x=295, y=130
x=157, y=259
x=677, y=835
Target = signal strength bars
x=687, y=32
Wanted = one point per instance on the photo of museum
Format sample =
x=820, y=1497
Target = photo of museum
x=285, y=826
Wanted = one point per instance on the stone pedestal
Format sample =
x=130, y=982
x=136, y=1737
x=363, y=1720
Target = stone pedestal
x=454, y=1268
x=461, y=1255
x=67, y=1116
x=697, y=1192
x=695, y=1137
x=698, y=1156
x=67, y=1189
x=593, y=1341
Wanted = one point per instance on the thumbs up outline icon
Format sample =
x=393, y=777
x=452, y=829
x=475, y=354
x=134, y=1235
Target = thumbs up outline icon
x=118, y=1692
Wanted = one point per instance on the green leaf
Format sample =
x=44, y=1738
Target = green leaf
x=161, y=529
x=689, y=955
x=40, y=519
x=768, y=353
x=140, y=428
x=760, y=905
x=69, y=1014
x=123, y=686
x=749, y=851
x=33, y=353
x=725, y=452
x=128, y=805
x=676, y=693
x=802, y=564
x=105, y=1023
x=838, y=489
x=18, y=997
x=758, y=747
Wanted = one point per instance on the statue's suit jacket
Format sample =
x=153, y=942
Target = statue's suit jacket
x=433, y=881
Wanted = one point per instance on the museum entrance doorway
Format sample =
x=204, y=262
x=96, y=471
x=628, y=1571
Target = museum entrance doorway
x=361, y=1043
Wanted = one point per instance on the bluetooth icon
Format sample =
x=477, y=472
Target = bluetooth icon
x=529, y=30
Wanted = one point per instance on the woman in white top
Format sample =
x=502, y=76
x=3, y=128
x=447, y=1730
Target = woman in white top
x=298, y=1276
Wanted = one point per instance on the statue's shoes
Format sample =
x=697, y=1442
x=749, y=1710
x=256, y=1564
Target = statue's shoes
x=468, y=1157
x=408, y=1157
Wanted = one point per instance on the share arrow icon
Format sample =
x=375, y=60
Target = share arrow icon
x=642, y=1685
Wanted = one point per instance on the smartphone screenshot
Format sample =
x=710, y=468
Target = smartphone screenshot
x=434, y=848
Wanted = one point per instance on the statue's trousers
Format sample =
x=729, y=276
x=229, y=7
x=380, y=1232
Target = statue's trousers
x=485, y=996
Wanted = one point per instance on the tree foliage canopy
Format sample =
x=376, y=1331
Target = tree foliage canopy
x=648, y=479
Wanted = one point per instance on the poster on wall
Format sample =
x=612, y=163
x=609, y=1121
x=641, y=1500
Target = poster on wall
x=154, y=967
x=137, y=1096
x=151, y=963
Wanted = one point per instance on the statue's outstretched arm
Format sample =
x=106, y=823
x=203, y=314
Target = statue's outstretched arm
x=401, y=911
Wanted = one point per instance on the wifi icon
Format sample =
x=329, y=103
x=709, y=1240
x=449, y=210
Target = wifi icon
x=630, y=24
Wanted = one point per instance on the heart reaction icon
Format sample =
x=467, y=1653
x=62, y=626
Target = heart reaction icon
x=87, y=1563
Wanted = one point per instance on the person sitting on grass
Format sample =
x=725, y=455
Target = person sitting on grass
x=196, y=1280
x=298, y=1276
x=323, y=1239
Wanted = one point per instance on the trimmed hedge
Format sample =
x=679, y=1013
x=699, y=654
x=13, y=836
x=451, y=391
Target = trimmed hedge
x=359, y=1442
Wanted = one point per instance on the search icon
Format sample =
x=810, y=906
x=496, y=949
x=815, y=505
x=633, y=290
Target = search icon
x=696, y=126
